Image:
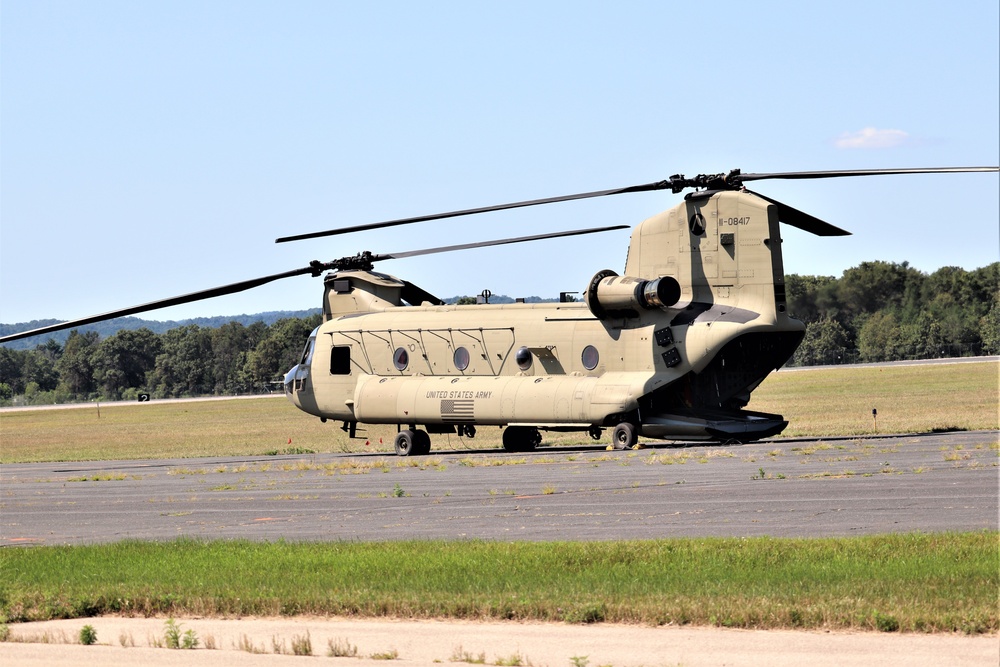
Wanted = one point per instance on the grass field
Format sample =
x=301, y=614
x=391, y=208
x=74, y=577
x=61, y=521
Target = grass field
x=924, y=583
x=909, y=399
x=816, y=403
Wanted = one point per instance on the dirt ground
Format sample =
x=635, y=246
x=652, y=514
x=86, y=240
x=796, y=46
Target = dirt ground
x=407, y=642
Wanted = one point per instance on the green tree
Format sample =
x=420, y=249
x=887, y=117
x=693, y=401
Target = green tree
x=873, y=286
x=826, y=342
x=75, y=366
x=11, y=369
x=184, y=365
x=812, y=298
x=121, y=361
x=989, y=330
x=231, y=345
x=40, y=368
x=880, y=338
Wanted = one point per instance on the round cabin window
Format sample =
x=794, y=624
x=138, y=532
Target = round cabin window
x=400, y=359
x=461, y=358
x=523, y=358
x=590, y=357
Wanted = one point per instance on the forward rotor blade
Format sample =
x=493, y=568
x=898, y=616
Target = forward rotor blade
x=802, y=220
x=164, y=303
x=802, y=175
x=484, y=244
x=648, y=187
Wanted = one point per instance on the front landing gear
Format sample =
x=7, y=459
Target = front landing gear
x=412, y=442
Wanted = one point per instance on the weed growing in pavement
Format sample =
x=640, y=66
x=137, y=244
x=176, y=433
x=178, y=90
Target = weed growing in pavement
x=88, y=635
x=173, y=638
x=341, y=648
x=248, y=646
x=461, y=655
x=302, y=645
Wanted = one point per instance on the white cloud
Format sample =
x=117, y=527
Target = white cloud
x=871, y=137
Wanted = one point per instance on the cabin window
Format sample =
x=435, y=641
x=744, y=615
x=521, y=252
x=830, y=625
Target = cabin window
x=400, y=358
x=590, y=357
x=340, y=360
x=461, y=358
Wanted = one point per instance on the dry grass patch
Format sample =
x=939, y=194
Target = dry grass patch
x=918, y=399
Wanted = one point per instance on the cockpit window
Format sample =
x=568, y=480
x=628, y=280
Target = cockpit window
x=307, y=352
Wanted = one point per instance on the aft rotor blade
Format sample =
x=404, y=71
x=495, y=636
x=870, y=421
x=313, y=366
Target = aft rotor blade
x=165, y=303
x=802, y=175
x=802, y=220
x=648, y=187
x=484, y=244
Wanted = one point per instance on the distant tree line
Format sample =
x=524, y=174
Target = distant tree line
x=877, y=311
x=883, y=311
x=186, y=361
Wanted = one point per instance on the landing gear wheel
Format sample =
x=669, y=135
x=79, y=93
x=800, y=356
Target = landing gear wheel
x=421, y=443
x=521, y=438
x=624, y=436
x=404, y=444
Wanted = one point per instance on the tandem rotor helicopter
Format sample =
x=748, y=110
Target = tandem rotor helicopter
x=670, y=348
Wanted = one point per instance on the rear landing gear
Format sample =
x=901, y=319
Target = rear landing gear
x=521, y=438
x=411, y=442
x=624, y=436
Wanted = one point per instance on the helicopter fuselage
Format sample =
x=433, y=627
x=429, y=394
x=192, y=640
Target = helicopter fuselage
x=672, y=349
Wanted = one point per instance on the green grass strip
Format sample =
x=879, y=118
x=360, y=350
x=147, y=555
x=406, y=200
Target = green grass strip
x=911, y=582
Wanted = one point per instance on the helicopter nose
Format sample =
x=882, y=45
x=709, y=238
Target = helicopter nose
x=294, y=382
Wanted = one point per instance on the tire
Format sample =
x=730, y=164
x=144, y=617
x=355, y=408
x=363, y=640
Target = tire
x=624, y=436
x=521, y=438
x=421, y=443
x=405, y=443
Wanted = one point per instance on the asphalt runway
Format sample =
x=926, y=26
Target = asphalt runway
x=782, y=488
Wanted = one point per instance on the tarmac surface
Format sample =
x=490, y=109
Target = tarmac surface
x=781, y=488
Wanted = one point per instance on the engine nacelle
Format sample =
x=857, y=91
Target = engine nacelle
x=611, y=295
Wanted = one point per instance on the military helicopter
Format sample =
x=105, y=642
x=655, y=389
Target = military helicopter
x=672, y=348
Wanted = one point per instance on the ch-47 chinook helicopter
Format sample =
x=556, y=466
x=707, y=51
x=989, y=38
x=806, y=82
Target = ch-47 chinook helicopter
x=671, y=348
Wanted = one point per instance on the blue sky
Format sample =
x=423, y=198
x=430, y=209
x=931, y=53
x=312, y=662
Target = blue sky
x=149, y=149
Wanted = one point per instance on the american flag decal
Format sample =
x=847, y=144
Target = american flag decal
x=458, y=411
